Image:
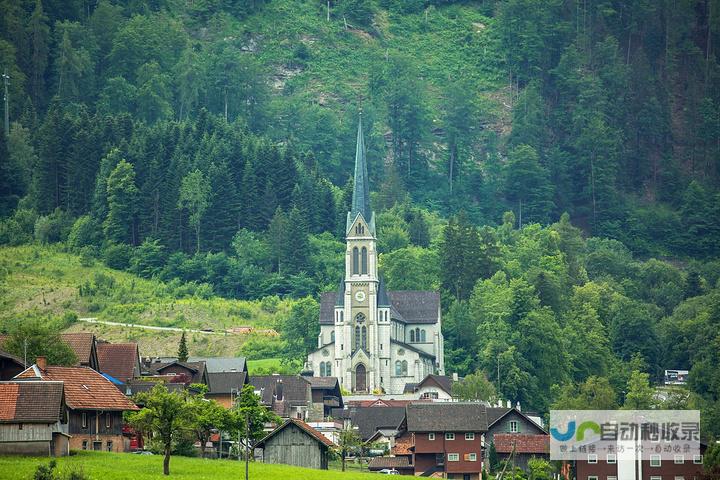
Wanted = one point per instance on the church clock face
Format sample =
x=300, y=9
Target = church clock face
x=360, y=296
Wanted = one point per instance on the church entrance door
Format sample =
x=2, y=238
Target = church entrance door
x=360, y=378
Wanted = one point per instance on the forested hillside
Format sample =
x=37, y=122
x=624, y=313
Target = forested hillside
x=209, y=144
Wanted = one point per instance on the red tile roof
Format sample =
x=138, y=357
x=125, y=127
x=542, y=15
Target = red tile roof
x=85, y=389
x=81, y=343
x=119, y=360
x=30, y=402
x=524, y=443
x=402, y=446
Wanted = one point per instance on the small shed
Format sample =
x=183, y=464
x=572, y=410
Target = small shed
x=296, y=443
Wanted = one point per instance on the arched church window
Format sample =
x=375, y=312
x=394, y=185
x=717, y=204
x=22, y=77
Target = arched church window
x=398, y=367
x=355, y=261
x=412, y=336
x=363, y=342
x=322, y=369
x=404, y=367
x=417, y=334
x=364, y=262
x=328, y=369
x=332, y=336
x=357, y=337
x=360, y=318
x=422, y=335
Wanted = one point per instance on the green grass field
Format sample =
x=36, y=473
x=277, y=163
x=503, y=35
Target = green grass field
x=47, y=280
x=122, y=466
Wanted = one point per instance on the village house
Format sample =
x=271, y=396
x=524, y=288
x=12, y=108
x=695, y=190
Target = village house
x=297, y=396
x=95, y=405
x=510, y=429
x=177, y=372
x=296, y=443
x=33, y=419
x=224, y=387
x=10, y=365
x=607, y=467
x=84, y=345
x=447, y=438
x=121, y=361
x=432, y=387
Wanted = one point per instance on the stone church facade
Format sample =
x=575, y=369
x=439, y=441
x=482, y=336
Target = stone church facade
x=371, y=339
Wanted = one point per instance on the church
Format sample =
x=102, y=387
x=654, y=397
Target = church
x=371, y=339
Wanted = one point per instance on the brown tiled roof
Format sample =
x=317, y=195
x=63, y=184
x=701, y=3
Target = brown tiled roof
x=524, y=443
x=85, y=389
x=81, y=343
x=446, y=417
x=30, y=402
x=119, y=360
x=403, y=443
x=303, y=426
x=378, y=463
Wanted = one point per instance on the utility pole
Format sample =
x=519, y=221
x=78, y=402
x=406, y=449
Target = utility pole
x=247, y=444
x=6, y=98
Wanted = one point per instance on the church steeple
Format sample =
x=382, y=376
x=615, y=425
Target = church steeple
x=361, y=187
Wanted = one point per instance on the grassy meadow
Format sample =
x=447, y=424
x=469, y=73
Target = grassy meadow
x=122, y=466
x=47, y=280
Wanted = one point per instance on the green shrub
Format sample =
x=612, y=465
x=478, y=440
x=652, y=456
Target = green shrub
x=84, y=232
x=270, y=304
x=117, y=256
x=53, y=228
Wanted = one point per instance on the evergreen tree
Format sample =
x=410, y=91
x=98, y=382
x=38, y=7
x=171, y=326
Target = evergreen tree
x=120, y=223
x=250, y=193
x=195, y=198
x=528, y=186
x=39, y=32
x=182, y=349
x=418, y=229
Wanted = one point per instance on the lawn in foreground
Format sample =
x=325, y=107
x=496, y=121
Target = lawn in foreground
x=122, y=466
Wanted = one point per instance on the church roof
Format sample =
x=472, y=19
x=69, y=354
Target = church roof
x=361, y=186
x=409, y=306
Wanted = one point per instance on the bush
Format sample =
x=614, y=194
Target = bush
x=270, y=303
x=148, y=259
x=85, y=232
x=117, y=256
x=53, y=228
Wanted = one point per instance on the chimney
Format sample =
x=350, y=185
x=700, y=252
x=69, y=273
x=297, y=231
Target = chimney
x=279, y=390
x=455, y=377
x=517, y=407
x=509, y=404
x=41, y=362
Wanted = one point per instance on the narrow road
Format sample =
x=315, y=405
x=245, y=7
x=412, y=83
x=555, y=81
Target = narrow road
x=146, y=327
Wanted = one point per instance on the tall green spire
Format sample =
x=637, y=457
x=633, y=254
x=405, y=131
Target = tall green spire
x=361, y=187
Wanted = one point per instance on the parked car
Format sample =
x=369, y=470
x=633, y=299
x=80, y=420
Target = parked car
x=389, y=471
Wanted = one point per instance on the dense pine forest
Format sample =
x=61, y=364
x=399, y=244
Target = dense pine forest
x=551, y=166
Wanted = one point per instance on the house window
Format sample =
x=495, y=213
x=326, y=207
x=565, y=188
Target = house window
x=592, y=458
x=656, y=478
x=592, y=477
x=679, y=459
x=679, y=477
x=611, y=458
x=472, y=457
x=470, y=436
x=84, y=444
x=611, y=478
x=355, y=261
x=109, y=446
x=364, y=261
x=20, y=426
x=655, y=461
x=514, y=426
x=449, y=436
x=422, y=335
x=84, y=420
x=108, y=421
x=453, y=457
x=430, y=395
x=697, y=459
x=431, y=436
